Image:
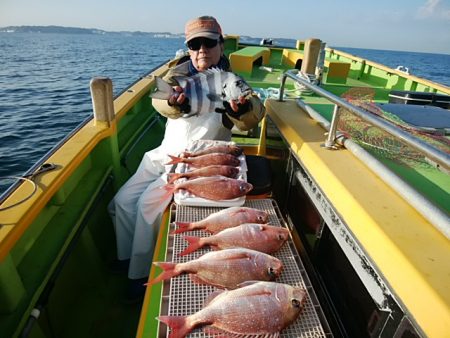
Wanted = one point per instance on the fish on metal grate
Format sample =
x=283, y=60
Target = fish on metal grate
x=260, y=237
x=206, y=160
x=211, y=170
x=225, y=269
x=214, y=188
x=225, y=149
x=257, y=309
x=223, y=219
x=205, y=91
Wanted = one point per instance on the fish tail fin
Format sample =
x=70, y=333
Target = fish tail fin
x=170, y=189
x=163, y=90
x=172, y=177
x=168, y=272
x=182, y=227
x=174, y=160
x=179, y=325
x=195, y=243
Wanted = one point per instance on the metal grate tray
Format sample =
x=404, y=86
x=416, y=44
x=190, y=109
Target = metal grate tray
x=182, y=297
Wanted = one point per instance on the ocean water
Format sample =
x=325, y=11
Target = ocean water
x=44, y=83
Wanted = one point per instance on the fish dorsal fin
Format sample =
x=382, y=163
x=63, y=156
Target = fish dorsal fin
x=163, y=89
x=247, y=283
x=182, y=80
x=214, y=97
x=213, y=296
x=255, y=292
x=213, y=71
x=238, y=255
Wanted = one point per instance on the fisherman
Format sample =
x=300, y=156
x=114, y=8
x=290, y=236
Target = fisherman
x=137, y=208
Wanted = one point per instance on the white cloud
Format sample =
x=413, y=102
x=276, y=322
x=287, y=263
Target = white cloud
x=434, y=9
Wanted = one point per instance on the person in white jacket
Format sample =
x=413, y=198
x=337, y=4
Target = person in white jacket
x=137, y=207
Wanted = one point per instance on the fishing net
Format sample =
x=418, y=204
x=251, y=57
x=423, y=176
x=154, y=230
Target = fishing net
x=380, y=142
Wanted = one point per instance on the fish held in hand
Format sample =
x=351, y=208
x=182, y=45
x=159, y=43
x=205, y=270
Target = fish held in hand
x=224, y=219
x=205, y=91
x=225, y=149
x=207, y=160
x=225, y=268
x=257, y=309
x=212, y=170
x=260, y=237
x=214, y=188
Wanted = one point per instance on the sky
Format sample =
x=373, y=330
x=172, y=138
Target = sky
x=409, y=25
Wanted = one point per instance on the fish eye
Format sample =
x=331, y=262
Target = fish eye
x=271, y=272
x=295, y=303
x=281, y=237
x=239, y=83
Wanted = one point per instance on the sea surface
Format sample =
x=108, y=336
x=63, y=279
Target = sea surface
x=44, y=83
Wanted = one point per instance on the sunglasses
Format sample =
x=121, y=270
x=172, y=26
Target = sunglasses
x=197, y=43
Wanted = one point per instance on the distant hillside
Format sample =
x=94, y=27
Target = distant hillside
x=50, y=29
x=76, y=30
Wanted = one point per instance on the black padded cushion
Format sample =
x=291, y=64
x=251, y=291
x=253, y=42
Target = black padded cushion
x=259, y=174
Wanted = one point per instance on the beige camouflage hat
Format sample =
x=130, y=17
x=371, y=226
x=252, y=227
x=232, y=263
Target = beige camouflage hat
x=204, y=26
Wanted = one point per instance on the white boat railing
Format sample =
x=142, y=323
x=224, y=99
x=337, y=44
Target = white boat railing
x=439, y=158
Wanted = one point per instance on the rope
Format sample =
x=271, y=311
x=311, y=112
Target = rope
x=274, y=93
x=25, y=198
x=403, y=69
x=311, y=78
x=30, y=179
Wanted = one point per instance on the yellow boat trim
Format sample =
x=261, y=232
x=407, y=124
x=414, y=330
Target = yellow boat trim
x=152, y=293
x=442, y=88
x=408, y=252
x=15, y=221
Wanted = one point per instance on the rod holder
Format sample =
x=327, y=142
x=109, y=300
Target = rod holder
x=102, y=99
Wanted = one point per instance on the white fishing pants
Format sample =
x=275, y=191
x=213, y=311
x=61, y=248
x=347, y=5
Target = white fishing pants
x=136, y=212
x=137, y=207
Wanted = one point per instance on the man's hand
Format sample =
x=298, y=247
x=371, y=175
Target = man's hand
x=179, y=99
x=235, y=108
x=236, y=105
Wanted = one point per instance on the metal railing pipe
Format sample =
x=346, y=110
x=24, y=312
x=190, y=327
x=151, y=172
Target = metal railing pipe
x=440, y=158
x=438, y=218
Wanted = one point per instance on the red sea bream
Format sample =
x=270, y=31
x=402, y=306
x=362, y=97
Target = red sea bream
x=212, y=170
x=225, y=269
x=206, y=160
x=226, y=149
x=213, y=187
x=257, y=309
x=260, y=237
x=223, y=219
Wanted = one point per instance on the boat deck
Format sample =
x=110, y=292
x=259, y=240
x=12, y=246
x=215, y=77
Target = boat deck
x=400, y=159
x=60, y=236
